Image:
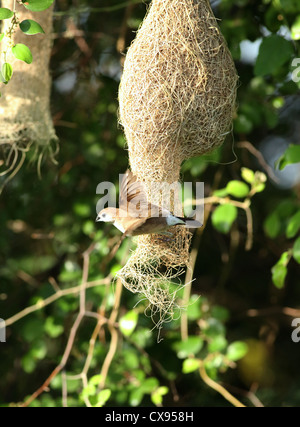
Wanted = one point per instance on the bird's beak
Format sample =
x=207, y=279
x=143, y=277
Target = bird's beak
x=98, y=218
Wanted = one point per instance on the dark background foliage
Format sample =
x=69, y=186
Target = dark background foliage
x=48, y=223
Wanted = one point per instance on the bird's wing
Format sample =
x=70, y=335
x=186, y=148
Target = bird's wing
x=133, y=198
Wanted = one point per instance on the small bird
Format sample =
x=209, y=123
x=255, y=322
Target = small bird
x=136, y=216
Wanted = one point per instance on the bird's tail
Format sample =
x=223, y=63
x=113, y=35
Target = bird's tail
x=190, y=222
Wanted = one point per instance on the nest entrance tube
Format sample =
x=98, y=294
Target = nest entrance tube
x=177, y=100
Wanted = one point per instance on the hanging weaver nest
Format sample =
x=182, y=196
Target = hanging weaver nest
x=26, y=123
x=177, y=100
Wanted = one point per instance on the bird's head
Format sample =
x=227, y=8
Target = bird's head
x=107, y=215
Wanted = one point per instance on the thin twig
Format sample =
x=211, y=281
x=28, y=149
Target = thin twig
x=59, y=294
x=114, y=334
x=64, y=389
x=220, y=389
x=73, y=332
x=192, y=263
x=260, y=158
x=288, y=311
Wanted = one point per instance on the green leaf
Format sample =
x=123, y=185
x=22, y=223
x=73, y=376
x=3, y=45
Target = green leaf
x=187, y=347
x=136, y=396
x=223, y=217
x=157, y=395
x=1, y=37
x=237, y=350
x=222, y=192
x=52, y=329
x=213, y=328
x=279, y=273
x=217, y=343
x=88, y=391
x=274, y=52
x=28, y=363
x=96, y=379
x=32, y=329
x=248, y=175
x=259, y=187
x=279, y=270
x=6, y=13
x=7, y=71
x=220, y=313
x=149, y=384
x=39, y=350
x=237, y=189
x=30, y=27
x=22, y=52
x=286, y=208
x=103, y=397
x=296, y=250
x=194, y=311
x=291, y=155
x=295, y=30
x=190, y=365
x=293, y=225
x=128, y=323
x=242, y=124
x=37, y=5
x=272, y=225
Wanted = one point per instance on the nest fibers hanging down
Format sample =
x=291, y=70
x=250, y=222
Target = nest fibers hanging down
x=26, y=123
x=177, y=100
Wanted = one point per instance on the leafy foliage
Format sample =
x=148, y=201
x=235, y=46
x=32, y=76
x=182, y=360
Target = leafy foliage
x=28, y=26
x=235, y=317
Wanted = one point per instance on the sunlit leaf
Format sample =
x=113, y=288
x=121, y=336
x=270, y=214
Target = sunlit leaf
x=190, y=365
x=5, y=13
x=187, y=347
x=103, y=397
x=296, y=250
x=236, y=350
x=293, y=225
x=7, y=71
x=223, y=217
x=136, y=396
x=157, y=395
x=37, y=5
x=30, y=27
x=222, y=192
x=291, y=155
x=52, y=329
x=295, y=30
x=237, y=189
x=217, y=343
x=128, y=323
x=248, y=175
x=279, y=270
x=96, y=379
x=22, y=52
x=149, y=384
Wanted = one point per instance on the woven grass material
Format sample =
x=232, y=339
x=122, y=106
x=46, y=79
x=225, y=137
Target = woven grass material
x=177, y=99
x=26, y=122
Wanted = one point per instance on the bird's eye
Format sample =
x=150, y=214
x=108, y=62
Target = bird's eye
x=103, y=215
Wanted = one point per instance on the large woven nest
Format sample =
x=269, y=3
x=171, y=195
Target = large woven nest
x=177, y=100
